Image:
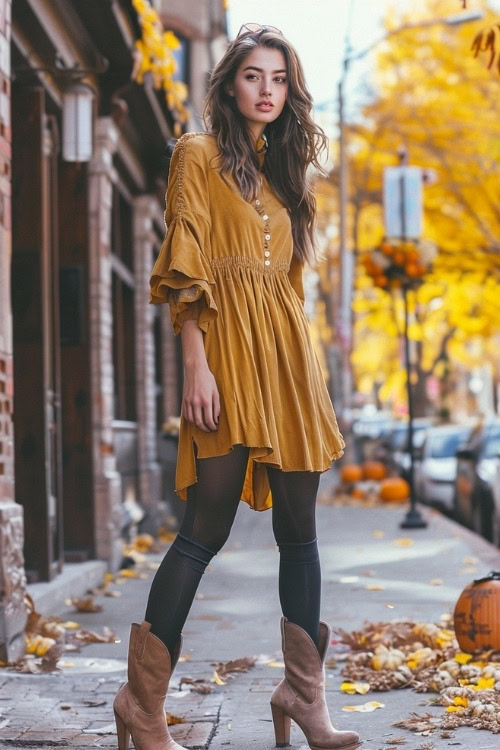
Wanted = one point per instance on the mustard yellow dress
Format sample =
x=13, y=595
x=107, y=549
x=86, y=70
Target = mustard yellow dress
x=228, y=263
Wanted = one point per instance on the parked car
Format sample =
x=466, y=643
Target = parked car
x=477, y=466
x=368, y=429
x=436, y=465
x=394, y=450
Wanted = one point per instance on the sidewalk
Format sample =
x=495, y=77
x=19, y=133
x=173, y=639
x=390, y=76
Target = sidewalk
x=237, y=613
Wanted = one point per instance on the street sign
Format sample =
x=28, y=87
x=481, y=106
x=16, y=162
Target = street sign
x=403, y=202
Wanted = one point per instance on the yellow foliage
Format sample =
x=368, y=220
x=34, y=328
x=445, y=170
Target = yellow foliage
x=419, y=74
x=154, y=55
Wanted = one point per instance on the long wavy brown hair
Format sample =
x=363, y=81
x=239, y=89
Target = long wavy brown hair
x=294, y=140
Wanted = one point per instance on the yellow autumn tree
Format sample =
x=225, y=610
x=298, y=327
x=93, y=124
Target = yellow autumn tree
x=431, y=97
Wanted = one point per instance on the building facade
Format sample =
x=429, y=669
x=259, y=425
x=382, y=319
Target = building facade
x=89, y=371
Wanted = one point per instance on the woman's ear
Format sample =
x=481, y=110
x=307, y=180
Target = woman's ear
x=228, y=88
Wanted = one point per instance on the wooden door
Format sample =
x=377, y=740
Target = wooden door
x=35, y=305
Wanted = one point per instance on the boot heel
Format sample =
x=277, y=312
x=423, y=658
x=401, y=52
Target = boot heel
x=122, y=732
x=282, y=724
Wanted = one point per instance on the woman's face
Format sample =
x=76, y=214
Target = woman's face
x=260, y=77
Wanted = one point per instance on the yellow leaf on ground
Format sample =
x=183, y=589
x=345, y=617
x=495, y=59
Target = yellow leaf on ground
x=483, y=683
x=403, y=541
x=375, y=587
x=436, y=582
x=365, y=707
x=217, y=679
x=127, y=573
x=378, y=534
x=275, y=664
x=355, y=687
x=453, y=709
x=171, y=719
x=462, y=658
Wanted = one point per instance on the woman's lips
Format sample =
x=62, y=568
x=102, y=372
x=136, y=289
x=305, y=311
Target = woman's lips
x=264, y=107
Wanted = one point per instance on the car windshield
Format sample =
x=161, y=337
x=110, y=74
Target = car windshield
x=446, y=445
x=399, y=439
x=492, y=446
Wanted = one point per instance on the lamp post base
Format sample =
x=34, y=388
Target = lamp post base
x=413, y=520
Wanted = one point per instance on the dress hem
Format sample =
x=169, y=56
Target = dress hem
x=181, y=492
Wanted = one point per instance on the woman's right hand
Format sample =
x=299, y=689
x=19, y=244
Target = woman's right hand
x=200, y=398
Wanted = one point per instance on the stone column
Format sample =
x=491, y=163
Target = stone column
x=150, y=489
x=12, y=575
x=107, y=480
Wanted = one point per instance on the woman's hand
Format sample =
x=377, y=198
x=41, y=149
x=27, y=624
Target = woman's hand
x=200, y=398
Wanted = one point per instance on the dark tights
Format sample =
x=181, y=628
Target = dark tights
x=210, y=511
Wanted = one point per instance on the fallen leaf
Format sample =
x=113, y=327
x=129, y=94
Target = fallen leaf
x=375, y=587
x=86, y=605
x=365, y=707
x=403, y=541
x=127, y=573
x=275, y=664
x=368, y=573
x=172, y=719
x=234, y=665
x=470, y=560
x=217, y=679
x=378, y=534
x=355, y=687
x=462, y=658
x=436, y=582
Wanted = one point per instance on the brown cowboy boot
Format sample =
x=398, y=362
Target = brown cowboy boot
x=139, y=704
x=301, y=693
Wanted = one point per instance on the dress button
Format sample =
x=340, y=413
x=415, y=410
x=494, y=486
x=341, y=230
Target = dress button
x=257, y=203
x=267, y=262
x=267, y=236
x=265, y=217
x=267, y=253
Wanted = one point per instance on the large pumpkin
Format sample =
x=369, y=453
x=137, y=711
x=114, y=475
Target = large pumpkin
x=394, y=489
x=374, y=470
x=351, y=473
x=477, y=615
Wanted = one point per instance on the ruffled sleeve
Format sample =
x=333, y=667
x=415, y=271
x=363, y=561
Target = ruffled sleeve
x=182, y=275
x=295, y=275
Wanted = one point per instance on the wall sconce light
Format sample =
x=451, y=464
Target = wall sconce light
x=77, y=106
x=77, y=121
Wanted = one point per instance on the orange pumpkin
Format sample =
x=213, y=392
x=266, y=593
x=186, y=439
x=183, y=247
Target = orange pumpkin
x=394, y=490
x=374, y=470
x=351, y=473
x=358, y=493
x=477, y=615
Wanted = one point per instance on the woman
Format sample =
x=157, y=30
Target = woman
x=257, y=423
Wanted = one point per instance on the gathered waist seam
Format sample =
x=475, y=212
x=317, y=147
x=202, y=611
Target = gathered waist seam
x=244, y=261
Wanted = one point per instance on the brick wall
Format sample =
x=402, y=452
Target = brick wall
x=12, y=577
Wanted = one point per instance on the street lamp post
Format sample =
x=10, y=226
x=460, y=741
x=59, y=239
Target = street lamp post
x=344, y=296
